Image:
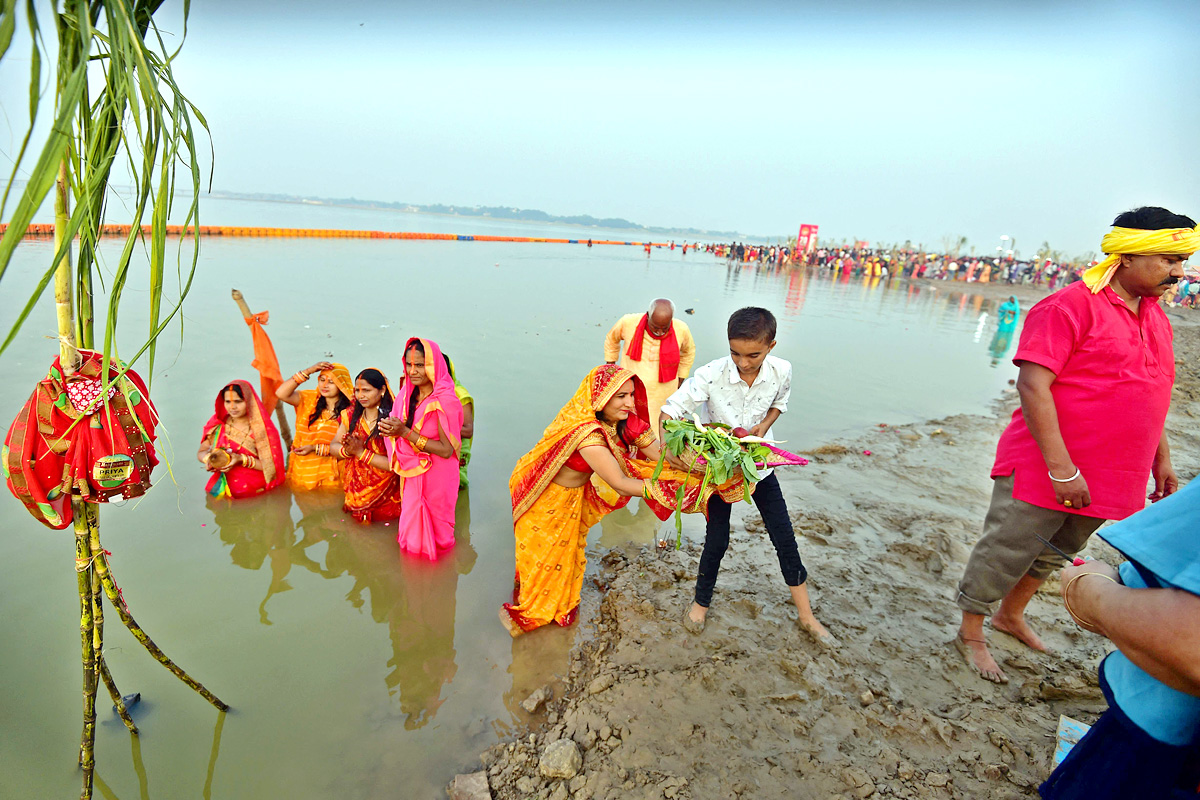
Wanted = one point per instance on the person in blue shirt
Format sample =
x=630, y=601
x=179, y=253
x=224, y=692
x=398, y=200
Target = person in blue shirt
x=1147, y=744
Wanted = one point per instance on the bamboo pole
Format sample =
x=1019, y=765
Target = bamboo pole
x=285, y=430
x=100, y=563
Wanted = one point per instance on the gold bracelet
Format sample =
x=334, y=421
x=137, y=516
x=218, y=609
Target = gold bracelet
x=365, y=456
x=301, y=377
x=1067, y=596
x=419, y=445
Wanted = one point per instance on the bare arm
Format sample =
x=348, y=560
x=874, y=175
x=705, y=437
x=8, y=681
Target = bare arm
x=605, y=465
x=1166, y=482
x=1041, y=415
x=468, y=426
x=1134, y=620
x=438, y=445
x=335, y=447
x=288, y=391
x=761, y=428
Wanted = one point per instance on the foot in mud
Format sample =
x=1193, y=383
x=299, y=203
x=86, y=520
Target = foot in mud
x=1019, y=629
x=694, y=619
x=975, y=652
x=817, y=632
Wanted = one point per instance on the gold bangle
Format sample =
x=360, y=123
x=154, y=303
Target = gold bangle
x=1067, y=596
x=365, y=456
x=419, y=445
x=301, y=377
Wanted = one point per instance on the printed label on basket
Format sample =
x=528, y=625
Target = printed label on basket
x=110, y=472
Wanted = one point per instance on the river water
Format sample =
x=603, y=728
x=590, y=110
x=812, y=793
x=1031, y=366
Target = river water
x=353, y=672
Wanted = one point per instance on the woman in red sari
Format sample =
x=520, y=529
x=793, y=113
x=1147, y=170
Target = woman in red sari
x=372, y=489
x=240, y=445
x=601, y=430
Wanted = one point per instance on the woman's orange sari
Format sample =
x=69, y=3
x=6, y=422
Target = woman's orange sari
x=372, y=495
x=551, y=521
x=313, y=471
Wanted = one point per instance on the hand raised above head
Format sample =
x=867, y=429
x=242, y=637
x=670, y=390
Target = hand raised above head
x=320, y=366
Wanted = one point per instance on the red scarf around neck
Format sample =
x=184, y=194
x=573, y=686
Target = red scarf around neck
x=668, y=351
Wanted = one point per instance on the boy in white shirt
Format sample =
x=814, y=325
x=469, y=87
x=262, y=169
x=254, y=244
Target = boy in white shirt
x=749, y=389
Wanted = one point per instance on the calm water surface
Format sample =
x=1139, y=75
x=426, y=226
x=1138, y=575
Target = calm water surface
x=353, y=672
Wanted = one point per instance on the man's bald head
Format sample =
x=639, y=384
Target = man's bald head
x=661, y=313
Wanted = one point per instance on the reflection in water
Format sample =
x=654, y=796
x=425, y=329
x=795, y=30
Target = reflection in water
x=537, y=661
x=414, y=597
x=624, y=526
x=1000, y=344
x=212, y=759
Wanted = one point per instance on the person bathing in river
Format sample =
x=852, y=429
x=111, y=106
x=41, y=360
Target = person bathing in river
x=749, y=388
x=241, y=446
x=318, y=413
x=423, y=448
x=1096, y=368
x=468, y=423
x=372, y=489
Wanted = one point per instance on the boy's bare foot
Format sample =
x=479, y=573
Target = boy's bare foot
x=975, y=652
x=1019, y=629
x=817, y=632
x=694, y=619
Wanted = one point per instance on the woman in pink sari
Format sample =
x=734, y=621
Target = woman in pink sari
x=424, y=450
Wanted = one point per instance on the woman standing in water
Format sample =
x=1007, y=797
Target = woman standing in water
x=318, y=412
x=240, y=445
x=554, y=501
x=424, y=450
x=468, y=423
x=372, y=489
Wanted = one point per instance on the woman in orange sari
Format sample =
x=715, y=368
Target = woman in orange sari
x=601, y=430
x=318, y=413
x=372, y=489
x=240, y=445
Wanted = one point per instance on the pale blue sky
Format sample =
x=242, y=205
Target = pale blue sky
x=880, y=121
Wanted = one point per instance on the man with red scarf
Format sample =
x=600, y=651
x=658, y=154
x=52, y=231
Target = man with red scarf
x=659, y=349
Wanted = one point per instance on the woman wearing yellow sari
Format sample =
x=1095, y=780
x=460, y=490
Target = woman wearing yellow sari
x=601, y=430
x=318, y=412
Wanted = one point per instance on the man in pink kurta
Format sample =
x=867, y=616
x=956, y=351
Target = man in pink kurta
x=1096, y=370
x=649, y=339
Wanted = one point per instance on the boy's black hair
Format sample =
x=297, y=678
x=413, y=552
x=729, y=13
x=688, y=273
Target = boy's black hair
x=1152, y=218
x=753, y=323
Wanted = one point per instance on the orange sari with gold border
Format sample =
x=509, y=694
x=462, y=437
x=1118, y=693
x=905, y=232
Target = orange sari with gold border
x=551, y=521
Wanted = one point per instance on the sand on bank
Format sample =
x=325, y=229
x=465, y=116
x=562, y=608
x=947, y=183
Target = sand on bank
x=751, y=708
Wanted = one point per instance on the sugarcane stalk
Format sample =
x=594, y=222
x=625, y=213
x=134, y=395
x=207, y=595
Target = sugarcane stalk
x=114, y=597
x=83, y=568
x=98, y=631
x=285, y=430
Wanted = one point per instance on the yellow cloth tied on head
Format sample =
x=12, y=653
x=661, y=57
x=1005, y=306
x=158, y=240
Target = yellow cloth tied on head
x=1134, y=241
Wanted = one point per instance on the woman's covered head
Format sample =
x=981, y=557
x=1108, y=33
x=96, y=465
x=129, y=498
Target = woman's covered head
x=414, y=363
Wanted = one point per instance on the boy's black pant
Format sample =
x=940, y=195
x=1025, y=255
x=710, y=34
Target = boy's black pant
x=769, y=499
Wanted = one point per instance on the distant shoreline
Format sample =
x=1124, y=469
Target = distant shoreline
x=691, y=234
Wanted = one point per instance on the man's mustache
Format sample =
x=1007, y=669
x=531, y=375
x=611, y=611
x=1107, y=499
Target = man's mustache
x=1169, y=280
